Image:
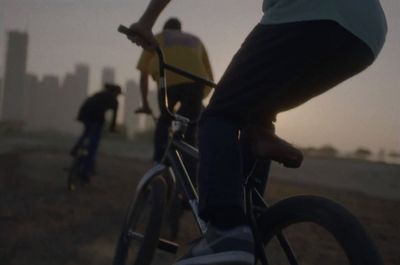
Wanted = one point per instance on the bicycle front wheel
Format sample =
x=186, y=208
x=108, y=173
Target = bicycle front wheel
x=140, y=235
x=318, y=231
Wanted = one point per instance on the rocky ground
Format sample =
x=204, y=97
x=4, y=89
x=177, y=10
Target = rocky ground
x=42, y=223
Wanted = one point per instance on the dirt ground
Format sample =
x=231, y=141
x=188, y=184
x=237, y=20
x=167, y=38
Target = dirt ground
x=41, y=223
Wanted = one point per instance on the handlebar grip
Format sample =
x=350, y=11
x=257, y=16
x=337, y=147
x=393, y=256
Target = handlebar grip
x=124, y=30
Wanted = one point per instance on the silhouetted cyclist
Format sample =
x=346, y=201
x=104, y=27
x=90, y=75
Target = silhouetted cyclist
x=185, y=51
x=92, y=115
x=299, y=50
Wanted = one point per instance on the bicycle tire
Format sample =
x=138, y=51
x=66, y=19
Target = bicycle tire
x=156, y=192
x=73, y=174
x=329, y=215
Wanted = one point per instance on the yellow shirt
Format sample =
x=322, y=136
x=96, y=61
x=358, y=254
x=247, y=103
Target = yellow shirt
x=182, y=50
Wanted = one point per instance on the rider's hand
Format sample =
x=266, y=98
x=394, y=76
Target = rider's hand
x=144, y=109
x=143, y=36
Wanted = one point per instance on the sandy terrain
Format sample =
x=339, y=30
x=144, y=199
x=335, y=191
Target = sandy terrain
x=41, y=223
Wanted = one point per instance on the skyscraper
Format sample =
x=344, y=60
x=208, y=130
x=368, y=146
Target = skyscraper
x=82, y=79
x=47, y=105
x=32, y=101
x=74, y=92
x=14, y=77
x=30, y=98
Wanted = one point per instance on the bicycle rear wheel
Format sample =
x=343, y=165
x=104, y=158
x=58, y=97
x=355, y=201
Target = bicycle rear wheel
x=319, y=231
x=74, y=173
x=140, y=234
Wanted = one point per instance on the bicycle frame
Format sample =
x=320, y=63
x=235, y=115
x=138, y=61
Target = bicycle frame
x=172, y=160
x=253, y=198
x=173, y=156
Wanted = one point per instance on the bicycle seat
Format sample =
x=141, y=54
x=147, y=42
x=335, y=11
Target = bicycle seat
x=268, y=145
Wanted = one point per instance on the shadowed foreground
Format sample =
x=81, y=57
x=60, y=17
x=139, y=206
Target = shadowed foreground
x=42, y=223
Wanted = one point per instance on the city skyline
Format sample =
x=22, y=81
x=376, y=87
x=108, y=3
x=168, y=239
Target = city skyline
x=39, y=103
x=360, y=112
x=51, y=102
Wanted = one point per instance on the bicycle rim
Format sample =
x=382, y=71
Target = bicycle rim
x=319, y=231
x=140, y=234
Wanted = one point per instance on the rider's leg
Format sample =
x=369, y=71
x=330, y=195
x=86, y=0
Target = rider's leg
x=277, y=68
x=80, y=141
x=163, y=123
x=161, y=136
x=264, y=76
x=190, y=97
x=94, y=131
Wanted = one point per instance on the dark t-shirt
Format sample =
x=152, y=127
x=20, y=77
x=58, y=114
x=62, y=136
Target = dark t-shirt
x=95, y=107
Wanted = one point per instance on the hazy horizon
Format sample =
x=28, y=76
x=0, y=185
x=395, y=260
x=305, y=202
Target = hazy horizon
x=361, y=112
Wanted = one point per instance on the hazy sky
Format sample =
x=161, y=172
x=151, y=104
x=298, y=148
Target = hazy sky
x=363, y=111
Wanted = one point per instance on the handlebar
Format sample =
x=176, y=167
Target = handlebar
x=164, y=66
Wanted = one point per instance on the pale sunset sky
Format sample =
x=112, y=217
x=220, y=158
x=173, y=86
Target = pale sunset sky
x=361, y=112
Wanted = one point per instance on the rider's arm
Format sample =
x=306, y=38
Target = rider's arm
x=145, y=66
x=152, y=11
x=145, y=24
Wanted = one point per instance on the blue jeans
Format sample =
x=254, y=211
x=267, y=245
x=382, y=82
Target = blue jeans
x=277, y=68
x=90, y=138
